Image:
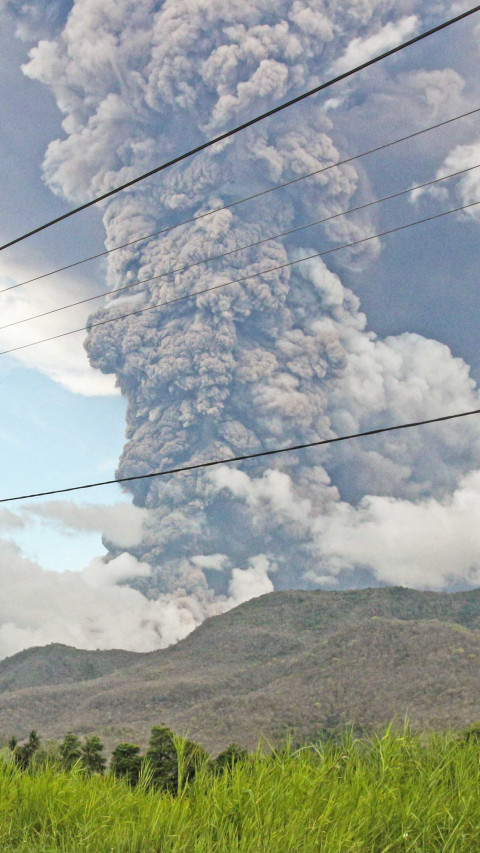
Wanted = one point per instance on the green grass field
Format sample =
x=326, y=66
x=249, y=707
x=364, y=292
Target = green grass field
x=394, y=793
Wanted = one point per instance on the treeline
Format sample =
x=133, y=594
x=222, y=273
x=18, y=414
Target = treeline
x=167, y=764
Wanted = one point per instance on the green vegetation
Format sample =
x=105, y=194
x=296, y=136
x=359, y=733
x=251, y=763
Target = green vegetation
x=126, y=762
x=291, y=662
x=23, y=754
x=395, y=793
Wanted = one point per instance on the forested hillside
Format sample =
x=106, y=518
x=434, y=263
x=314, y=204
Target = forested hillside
x=290, y=661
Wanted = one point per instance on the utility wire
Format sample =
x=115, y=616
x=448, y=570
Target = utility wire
x=227, y=460
x=90, y=326
x=241, y=200
x=242, y=248
x=245, y=125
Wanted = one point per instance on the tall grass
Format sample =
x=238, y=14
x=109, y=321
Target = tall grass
x=393, y=793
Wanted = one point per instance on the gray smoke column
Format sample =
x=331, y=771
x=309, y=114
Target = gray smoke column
x=281, y=358
x=242, y=369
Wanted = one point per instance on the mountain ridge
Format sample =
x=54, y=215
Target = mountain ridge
x=289, y=661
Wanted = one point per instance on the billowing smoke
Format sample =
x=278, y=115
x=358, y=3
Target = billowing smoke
x=282, y=358
x=97, y=607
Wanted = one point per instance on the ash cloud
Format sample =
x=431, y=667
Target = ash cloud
x=284, y=358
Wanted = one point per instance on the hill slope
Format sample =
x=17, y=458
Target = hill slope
x=288, y=660
x=59, y=664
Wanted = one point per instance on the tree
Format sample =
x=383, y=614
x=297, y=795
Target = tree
x=12, y=743
x=24, y=752
x=229, y=757
x=48, y=755
x=126, y=762
x=33, y=740
x=91, y=754
x=70, y=750
x=190, y=756
x=161, y=756
x=165, y=751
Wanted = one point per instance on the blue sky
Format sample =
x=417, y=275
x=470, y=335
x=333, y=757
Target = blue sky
x=51, y=437
x=93, y=93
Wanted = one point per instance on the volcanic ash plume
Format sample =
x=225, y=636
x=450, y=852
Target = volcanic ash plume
x=279, y=358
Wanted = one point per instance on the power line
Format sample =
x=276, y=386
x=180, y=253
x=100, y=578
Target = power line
x=242, y=200
x=90, y=326
x=179, y=158
x=242, y=248
x=198, y=465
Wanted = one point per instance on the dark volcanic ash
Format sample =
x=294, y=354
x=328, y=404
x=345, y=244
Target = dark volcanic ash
x=282, y=358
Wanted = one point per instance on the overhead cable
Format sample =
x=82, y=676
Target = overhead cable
x=241, y=200
x=179, y=158
x=211, y=258
x=195, y=293
x=229, y=460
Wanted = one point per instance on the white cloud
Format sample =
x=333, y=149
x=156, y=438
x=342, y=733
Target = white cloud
x=97, y=609
x=121, y=524
x=274, y=488
x=216, y=562
x=252, y=582
x=467, y=188
x=10, y=521
x=86, y=609
x=100, y=573
x=426, y=544
x=361, y=50
x=64, y=360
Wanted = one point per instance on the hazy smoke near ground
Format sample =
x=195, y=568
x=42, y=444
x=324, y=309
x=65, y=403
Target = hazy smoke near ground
x=282, y=358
